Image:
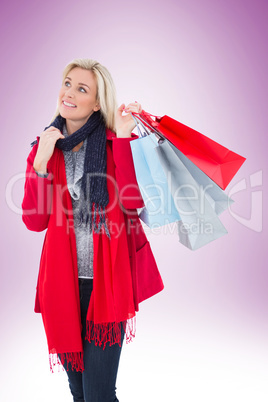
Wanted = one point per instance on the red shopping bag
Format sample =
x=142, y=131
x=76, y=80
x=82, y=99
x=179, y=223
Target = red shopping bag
x=218, y=162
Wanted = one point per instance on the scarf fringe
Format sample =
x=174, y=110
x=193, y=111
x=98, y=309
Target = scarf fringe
x=75, y=359
x=130, y=329
x=111, y=332
x=98, y=215
x=103, y=334
x=99, y=211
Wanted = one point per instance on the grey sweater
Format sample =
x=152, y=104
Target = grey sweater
x=74, y=166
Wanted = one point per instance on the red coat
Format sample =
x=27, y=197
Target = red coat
x=37, y=201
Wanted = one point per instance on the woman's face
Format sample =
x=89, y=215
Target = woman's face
x=77, y=97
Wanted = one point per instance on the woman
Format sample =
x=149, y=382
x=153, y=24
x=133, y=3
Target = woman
x=96, y=264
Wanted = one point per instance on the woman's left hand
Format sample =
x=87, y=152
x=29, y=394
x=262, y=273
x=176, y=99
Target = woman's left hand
x=125, y=124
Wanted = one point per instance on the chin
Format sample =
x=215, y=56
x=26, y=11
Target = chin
x=64, y=113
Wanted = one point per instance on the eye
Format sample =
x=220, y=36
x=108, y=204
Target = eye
x=83, y=89
x=66, y=83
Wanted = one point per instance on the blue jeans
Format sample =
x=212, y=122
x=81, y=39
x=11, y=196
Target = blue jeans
x=97, y=382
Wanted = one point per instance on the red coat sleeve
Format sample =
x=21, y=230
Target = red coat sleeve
x=129, y=193
x=36, y=204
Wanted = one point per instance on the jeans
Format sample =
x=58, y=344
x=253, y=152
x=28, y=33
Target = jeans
x=97, y=382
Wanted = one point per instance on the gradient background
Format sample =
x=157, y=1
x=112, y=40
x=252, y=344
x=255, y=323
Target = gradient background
x=205, y=63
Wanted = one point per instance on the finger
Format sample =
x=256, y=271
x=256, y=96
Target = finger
x=51, y=128
x=134, y=103
x=56, y=130
x=55, y=135
x=136, y=106
x=135, y=109
x=51, y=131
x=121, y=108
x=52, y=134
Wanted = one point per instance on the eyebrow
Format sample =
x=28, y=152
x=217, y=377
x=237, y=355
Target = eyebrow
x=79, y=83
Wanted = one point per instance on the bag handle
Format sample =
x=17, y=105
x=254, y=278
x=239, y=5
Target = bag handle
x=137, y=125
x=146, y=124
x=159, y=137
x=139, y=122
x=148, y=116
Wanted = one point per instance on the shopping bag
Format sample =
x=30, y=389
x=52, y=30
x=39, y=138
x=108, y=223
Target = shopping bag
x=217, y=198
x=159, y=207
x=217, y=161
x=199, y=223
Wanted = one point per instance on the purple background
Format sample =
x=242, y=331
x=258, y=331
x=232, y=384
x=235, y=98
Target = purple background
x=205, y=64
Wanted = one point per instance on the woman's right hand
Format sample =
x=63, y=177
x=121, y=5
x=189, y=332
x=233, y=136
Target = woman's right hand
x=48, y=139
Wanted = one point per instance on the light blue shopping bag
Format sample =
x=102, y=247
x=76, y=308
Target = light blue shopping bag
x=159, y=208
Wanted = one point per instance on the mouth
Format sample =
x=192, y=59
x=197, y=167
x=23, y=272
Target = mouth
x=68, y=104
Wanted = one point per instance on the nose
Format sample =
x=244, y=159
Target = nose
x=69, y=92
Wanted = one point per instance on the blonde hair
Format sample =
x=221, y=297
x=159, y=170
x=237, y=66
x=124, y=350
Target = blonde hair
x=106, y=92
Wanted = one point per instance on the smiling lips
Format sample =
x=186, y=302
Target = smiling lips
x=67, y=104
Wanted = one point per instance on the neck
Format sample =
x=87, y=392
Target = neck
x=73, y=125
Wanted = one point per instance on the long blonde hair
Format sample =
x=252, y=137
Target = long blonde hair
x=106, y=93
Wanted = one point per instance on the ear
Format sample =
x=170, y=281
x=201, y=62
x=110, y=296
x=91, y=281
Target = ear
x=96, y=108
